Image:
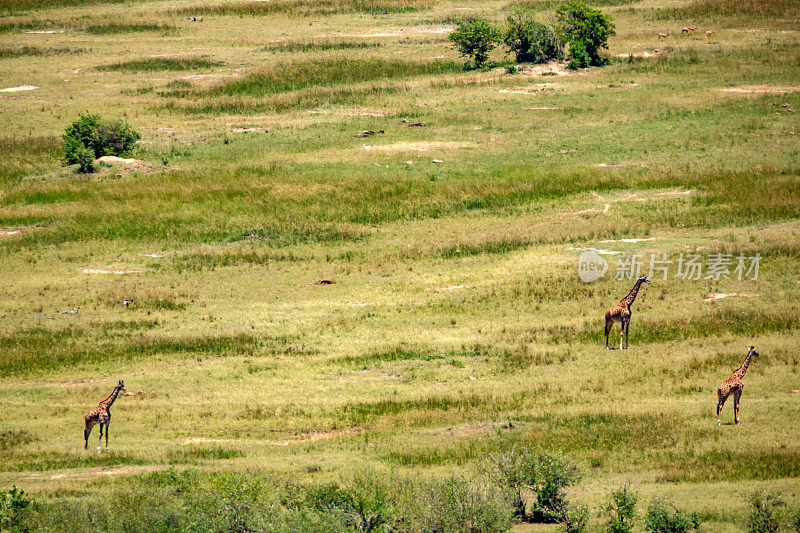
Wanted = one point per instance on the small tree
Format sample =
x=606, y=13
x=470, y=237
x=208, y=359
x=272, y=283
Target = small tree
x=621, y=510
x=578, y=57
x=13, y=503
x=765, y=514
x=580, y=23
x=85, y=159
x=531, y=41
x=663, y=517
x=554, y=474
x=475, y=37
x=574, y=518
x=99, y=137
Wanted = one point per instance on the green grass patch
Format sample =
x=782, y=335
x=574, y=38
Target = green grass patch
x=58, y=461
x=37, y=51
x=318, y=45
x=302, y=8
x=25, y=155
x=115, y=28
x=161, y=63
x=38, y=349
x=8, y=7
x=727, y=10
x=192, y=455
x=297, y=75
x=729, y=465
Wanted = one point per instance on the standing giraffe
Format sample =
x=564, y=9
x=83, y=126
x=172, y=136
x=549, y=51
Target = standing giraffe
x=101, y=415
x=622, y=313
x=734, y=385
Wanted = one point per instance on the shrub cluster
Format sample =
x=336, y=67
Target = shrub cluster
x=544, y=475
x=91, y=137
x=586, y=30
x=366, y=500
x=663, y=517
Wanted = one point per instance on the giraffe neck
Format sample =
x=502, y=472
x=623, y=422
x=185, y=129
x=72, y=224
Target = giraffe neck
x=742, y=369
x=628, y=300
x=108, y=402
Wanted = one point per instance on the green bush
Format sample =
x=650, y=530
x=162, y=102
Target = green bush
x=13, y=505
x=475, y=38
x=115, y=137
x=765, y=514
x=554, y=473
x=621, y=510
x=578, y=57
x=361, y=502
x=532, y=41
x=454, y=504
x=663, y=517
x=574, y=518
x=580, y=23
x=546, y=475
x=85, y=159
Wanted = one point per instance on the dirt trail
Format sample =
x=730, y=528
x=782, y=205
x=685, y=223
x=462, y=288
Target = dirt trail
x=98, y=471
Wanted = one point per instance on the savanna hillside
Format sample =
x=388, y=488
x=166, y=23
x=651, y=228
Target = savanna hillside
x=457, y=326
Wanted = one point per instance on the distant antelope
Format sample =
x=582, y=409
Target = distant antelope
x=663, y=35
x=709, y=33
x=687, y=30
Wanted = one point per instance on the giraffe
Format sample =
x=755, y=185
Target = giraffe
x=734, y=385
x=622, y=313
x=101, y=415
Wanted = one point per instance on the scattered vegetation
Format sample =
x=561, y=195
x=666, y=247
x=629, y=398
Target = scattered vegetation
x=621, y=509
x=532, y=41
x=13, y=508
x=475, y=37
x=26, y=51
x=765, y=512
x=663, y=517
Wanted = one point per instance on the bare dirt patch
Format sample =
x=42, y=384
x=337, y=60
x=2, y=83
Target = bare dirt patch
x=417, y=146
x=760, y=89
x=720, y=295
x=539, y=87
x=19, y=89
x=127, y=163
x=644, y=53
x=99, y=471
x=441, y=29
x=559, y=68
x=348, y=112
x=621, y=164
x=202, y=440
x=108, y=271
x=315, y=436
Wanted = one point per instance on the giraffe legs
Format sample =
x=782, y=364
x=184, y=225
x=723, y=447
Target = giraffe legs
x=720, y=402
x=108, y=425
x=609, y=325
x=99, y=442
x=736, y=395
x=86, y=433
x=627, y=325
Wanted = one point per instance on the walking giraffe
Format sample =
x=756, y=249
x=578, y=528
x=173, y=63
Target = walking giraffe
x=734, y=385
x=101, y=415
x=622, y=313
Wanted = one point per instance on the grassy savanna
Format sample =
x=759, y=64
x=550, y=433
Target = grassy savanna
x=457, y=325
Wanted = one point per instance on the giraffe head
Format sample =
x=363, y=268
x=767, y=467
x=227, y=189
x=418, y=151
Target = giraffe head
x=753, y=351
x=644, y=279
x=121, y=386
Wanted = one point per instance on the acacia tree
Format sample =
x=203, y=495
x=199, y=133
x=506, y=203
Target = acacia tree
x=585, y=28
x=475, y=37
